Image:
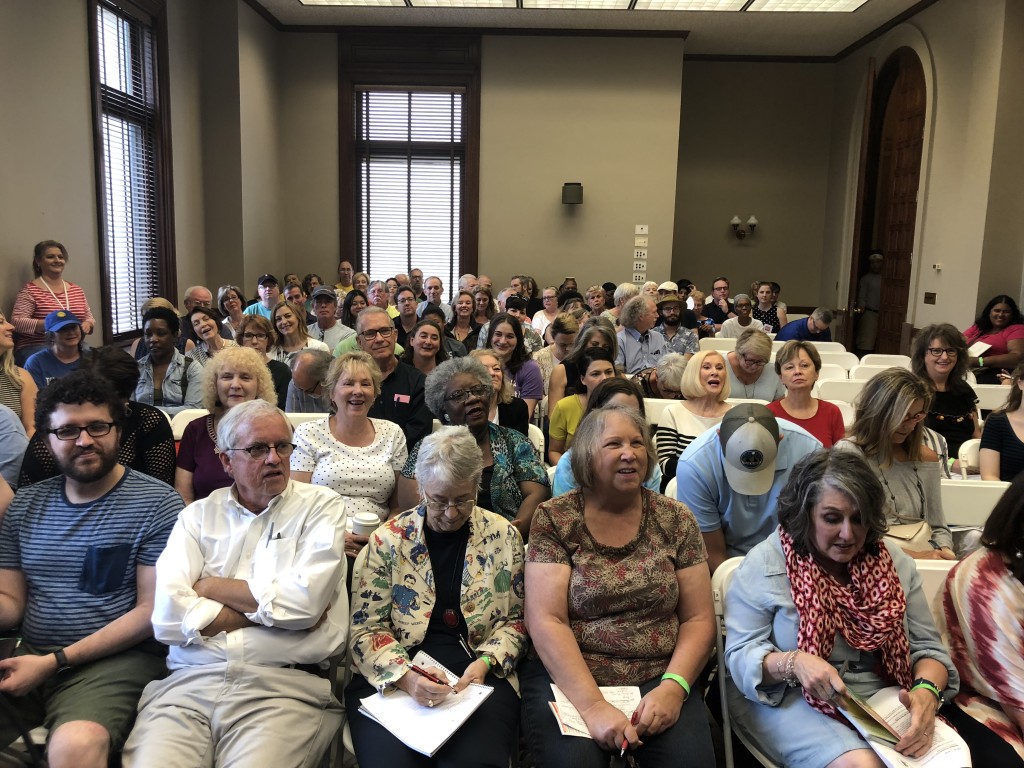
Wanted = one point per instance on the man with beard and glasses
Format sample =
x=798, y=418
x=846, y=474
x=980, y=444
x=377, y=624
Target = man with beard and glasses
x=77, y=557
x=678, y=335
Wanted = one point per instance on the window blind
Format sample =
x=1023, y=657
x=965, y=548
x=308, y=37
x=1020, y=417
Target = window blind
x=411, y=157
x=128, y=130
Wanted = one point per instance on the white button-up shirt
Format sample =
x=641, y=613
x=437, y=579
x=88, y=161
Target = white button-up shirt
x=292, y=557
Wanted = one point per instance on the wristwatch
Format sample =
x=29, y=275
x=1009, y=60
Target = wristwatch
x=62, y=661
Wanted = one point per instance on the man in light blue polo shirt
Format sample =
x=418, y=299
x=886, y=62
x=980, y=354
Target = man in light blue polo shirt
x=640, y=347
x=730, y=478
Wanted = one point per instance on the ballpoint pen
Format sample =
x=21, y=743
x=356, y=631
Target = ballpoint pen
x=432, y=678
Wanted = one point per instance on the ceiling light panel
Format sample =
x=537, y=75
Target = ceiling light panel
x=690, y=5
x=599, y=5
x=463, y=3
x=358, y=3
x=807, y=6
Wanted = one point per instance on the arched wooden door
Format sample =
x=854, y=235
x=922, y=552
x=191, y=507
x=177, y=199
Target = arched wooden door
x=890, y=188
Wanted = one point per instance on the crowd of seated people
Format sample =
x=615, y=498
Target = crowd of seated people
x=262, y=578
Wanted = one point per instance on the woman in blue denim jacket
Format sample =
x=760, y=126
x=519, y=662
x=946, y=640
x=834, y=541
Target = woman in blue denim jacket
x=167, y=379
x=825, y=606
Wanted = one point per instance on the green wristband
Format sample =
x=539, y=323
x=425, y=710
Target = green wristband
x=928, y=686
x=981, y=361
x=486, y=660
x=679, y=679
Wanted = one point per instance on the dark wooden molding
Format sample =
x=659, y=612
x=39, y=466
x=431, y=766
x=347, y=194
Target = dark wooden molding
x=759, y=59
x=881, y=30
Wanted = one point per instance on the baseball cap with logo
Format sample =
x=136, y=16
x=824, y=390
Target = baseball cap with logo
x=59, y=318
x=749, y=435
x=264, y=279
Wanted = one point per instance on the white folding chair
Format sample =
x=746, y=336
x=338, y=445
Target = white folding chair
x=866, y=372
x=829, y=346
x=795, y=316
x=845, y=390
x=970, y=502
x=845, y=359
x=181, y=419
x=991, y=397
x=536, y=436
x=301, y=418
x=900, y=361
x=670, y=489
x=969, y=456
x=737, y=400
x=933, y=579
x=436, y=426
x=848, y=411
x=720, y=580
x=654, y=407
x=828, y=373
x=722, y=345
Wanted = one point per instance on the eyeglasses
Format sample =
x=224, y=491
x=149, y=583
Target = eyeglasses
x=248, y=336
x=441, y=507
x=73, y=431
x=753, y=361
x=462, y=395
x=939, y=351
x=260, y=451
x=914, y=416
x=372, y=333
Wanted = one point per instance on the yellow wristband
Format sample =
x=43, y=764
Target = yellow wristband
x=679, y=679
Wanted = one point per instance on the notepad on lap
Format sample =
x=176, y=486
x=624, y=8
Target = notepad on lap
x=421, y=728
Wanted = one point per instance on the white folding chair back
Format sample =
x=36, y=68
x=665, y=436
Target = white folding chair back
x=845, y=390
x=670, y=489
x=737, y=400
x=970, y=502
x=776, y=346
x=828, y=373
x=181, y=419
x=551, y=475
x=991, y=397
x=722, y=345
x=848, y=411
x=720, y=581
x=436, y=426
x=793, y=317
x=654, y=407
x=536, y=435
x=301, y=418
x=900, y=361
x=866, y=372
x=969, y=456
x=933, y=579
x=839, y=357
x=829, y=346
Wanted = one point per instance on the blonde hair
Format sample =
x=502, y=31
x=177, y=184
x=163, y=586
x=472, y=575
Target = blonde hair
x=506, y=393
x=755, y=341
x=882, y=406
x=347, y=362
x=300, y=322
x=690, y=384
x=245, y=359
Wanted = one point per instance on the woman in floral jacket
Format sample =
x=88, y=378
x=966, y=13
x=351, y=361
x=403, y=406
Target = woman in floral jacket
x=445, y=578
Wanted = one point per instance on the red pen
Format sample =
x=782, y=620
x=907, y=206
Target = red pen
x=420, y=671
x=625, y=742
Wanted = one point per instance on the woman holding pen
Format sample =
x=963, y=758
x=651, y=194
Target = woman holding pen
x=620, y=594
x=446, y=578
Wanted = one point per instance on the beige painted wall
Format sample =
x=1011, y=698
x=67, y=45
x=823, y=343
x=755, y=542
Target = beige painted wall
x=754, y=140
x=961, y=48
x=602, y=111
x=47, y=176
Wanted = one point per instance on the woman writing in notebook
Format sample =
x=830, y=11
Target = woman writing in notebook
x=454, y=590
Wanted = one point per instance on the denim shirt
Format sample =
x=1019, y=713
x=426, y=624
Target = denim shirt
x=760, y=618
x=171, y=389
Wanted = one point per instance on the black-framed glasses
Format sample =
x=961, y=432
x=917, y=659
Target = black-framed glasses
x=440, y=507
x=372, y=333
x=249, y=336
x=753, y=361
x=462, y=395
x=260, y=451
x=73, y=431
x=938, y=351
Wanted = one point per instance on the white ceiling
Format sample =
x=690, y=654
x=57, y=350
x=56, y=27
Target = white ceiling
x=719, y=33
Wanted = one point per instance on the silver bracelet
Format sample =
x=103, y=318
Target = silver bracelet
x=790, y=677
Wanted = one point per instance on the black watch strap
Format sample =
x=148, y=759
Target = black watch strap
x=62, y=661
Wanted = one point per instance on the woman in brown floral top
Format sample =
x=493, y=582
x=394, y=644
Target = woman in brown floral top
x=619, y=594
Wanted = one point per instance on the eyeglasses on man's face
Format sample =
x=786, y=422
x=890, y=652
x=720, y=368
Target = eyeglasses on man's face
x=260, y=451
x=73, y=431
x=372, y=333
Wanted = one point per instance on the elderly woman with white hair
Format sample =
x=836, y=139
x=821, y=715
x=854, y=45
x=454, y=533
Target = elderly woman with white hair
x=663, y=381
x=750, y=375
x=459, y=392
x=236, y=375
x=445, y=578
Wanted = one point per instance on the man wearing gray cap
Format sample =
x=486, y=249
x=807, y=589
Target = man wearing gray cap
x=730, y=478
x=327, y=327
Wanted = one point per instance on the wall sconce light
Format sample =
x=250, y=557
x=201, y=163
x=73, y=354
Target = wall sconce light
x=738, y=229
x=572, y=193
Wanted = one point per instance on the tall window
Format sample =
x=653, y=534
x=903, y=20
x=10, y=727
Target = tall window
x=136, y=249
x=410, y=150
